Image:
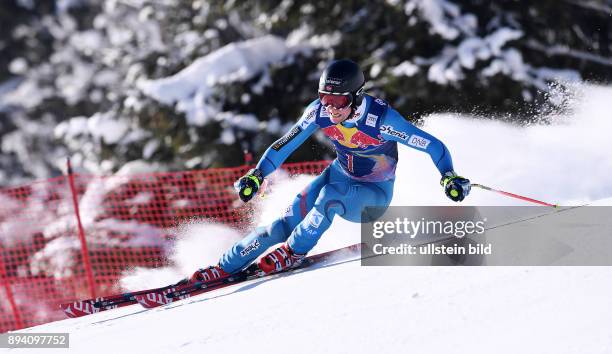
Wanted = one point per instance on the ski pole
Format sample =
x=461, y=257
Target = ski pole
x=514, y=195
x=263, y=188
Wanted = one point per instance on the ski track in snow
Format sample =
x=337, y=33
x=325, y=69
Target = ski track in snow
x=351, y=309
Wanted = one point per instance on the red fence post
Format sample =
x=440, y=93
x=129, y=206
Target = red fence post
x=84, y=251
x=9, y=292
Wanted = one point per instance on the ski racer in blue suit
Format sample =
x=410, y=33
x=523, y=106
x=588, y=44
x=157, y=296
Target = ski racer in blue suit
x=365, y=132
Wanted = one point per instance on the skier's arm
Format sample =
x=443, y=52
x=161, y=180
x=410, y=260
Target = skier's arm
x=396, y=128
x=278, y=152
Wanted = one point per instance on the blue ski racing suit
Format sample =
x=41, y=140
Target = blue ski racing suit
x=362, y=175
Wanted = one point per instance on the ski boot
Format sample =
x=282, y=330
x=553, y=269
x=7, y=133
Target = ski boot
x=208, y=275
x=280, y=259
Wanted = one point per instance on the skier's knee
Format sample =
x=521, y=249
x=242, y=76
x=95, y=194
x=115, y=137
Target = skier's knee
x=333, y=208
x=330, y=202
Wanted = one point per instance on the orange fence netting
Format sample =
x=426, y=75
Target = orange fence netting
x=126, y=221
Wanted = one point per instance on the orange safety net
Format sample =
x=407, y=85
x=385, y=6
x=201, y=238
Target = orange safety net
x=126, y=221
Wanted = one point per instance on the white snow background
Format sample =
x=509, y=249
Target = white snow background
x=351, y=309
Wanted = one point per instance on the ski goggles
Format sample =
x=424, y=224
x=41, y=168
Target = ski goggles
x=337, y=101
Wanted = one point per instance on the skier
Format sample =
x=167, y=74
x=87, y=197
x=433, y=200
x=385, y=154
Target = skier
x=365, y=132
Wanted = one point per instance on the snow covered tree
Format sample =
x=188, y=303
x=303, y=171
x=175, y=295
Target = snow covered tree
x=191, y=84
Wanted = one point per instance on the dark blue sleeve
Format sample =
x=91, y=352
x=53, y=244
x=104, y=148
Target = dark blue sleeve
x=396, y=128
x=276, y=154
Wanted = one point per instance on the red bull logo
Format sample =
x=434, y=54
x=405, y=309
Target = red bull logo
x=363, y=140
x=350, y=137
x=334, y=133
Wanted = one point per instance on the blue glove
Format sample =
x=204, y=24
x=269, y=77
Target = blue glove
x=455, y=187
x=248, y=185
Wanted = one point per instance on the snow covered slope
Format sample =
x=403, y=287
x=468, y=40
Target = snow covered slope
x=353, y=309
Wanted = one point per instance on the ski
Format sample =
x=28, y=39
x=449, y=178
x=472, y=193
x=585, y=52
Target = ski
x=176, y=291
x=183, y=291
x=90, y=306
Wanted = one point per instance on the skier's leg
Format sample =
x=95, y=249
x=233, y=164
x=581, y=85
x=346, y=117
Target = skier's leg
x=345, y=198
x=259, y=240
x=340, y=196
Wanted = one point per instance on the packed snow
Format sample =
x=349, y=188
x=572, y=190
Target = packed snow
x=352, y=309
